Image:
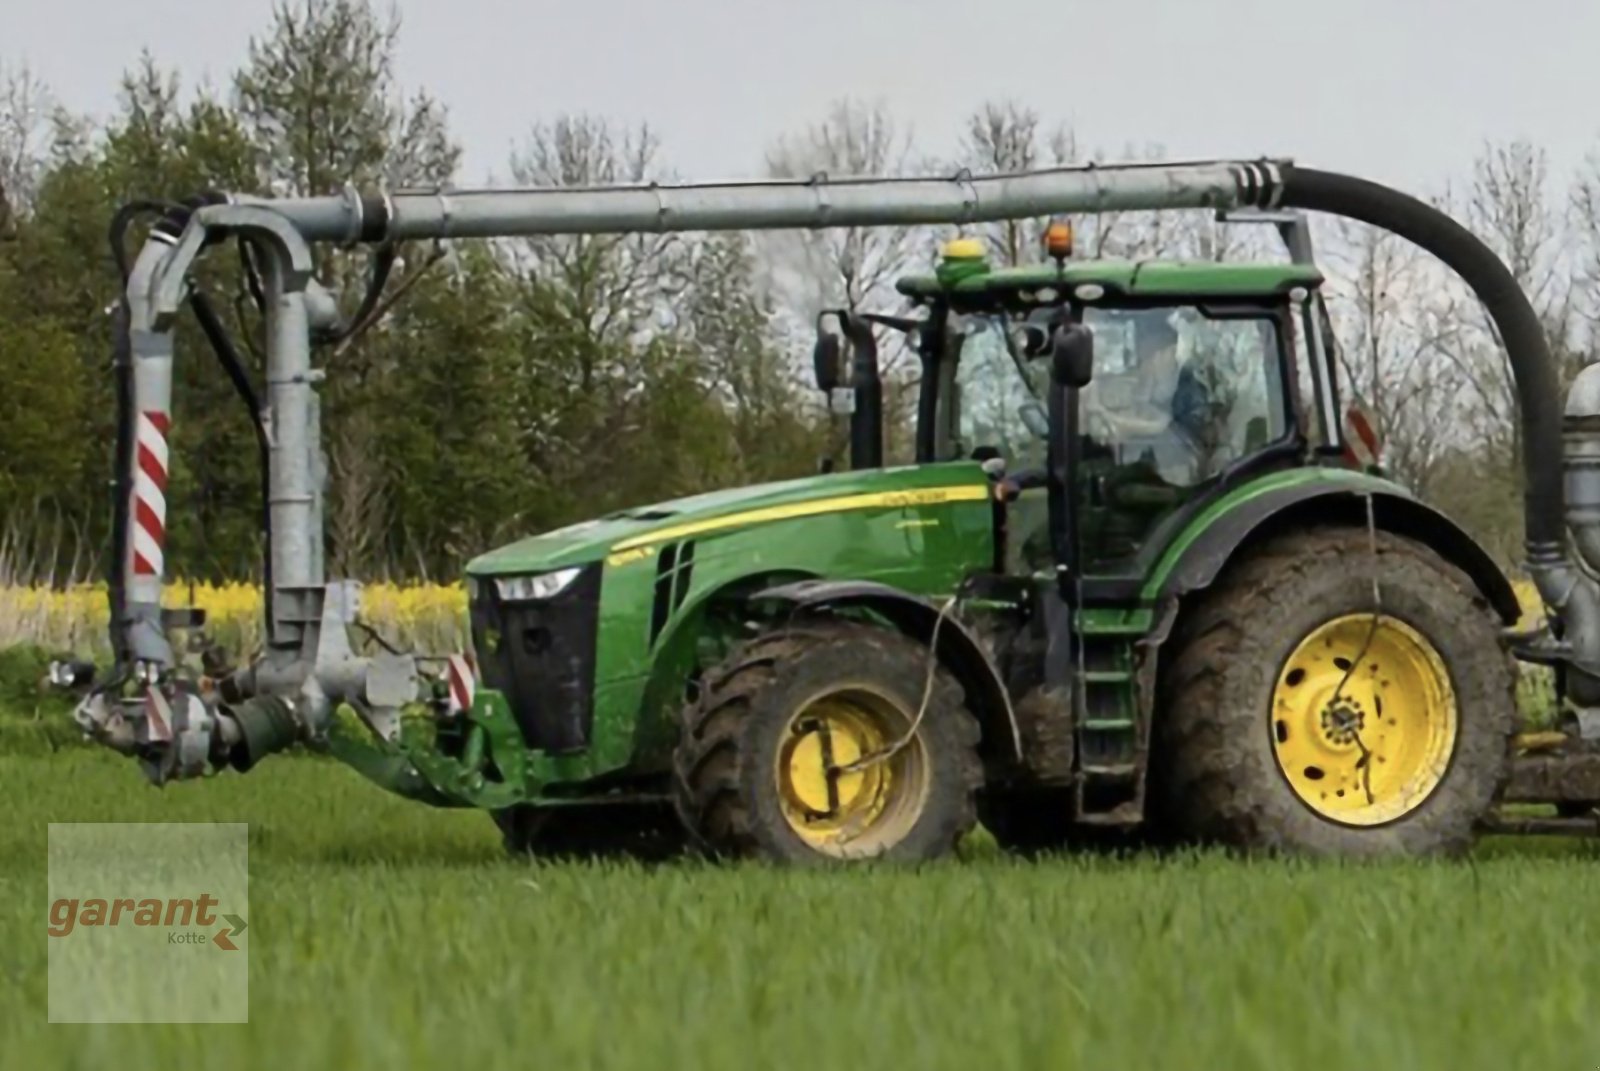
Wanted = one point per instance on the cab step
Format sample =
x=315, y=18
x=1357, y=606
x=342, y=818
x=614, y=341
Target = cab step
x=1112, y=771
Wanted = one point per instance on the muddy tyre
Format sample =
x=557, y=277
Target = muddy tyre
x=1292, y=718
x=769, y=762
x=648, y=833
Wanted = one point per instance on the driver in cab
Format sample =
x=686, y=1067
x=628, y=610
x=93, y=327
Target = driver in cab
x=1137, y=404
x=1152, y=421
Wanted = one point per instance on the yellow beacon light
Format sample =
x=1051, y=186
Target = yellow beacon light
x=963, y=258
x=964, y=249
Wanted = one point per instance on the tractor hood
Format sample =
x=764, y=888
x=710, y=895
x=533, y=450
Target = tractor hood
x=640, y=528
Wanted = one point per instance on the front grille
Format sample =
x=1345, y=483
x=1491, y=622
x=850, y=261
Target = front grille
x=541, y=655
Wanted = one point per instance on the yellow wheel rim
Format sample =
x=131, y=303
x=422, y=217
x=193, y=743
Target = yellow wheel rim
x=1364, y=719
x=845, y=812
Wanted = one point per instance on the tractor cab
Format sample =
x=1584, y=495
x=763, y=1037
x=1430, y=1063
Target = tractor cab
x=1113, y=404
x=1200, y=375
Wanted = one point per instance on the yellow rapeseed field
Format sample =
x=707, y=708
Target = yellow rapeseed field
x=427, y=617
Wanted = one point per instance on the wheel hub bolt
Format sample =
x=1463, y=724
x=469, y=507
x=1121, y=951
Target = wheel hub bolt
x=1343, y=721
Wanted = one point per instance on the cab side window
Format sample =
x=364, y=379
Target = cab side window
x=1178, y=396
x=1182, y=393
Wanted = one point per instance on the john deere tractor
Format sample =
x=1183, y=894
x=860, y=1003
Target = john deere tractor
x=1144, y=575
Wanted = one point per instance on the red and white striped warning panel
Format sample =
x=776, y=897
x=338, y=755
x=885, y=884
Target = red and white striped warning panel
x=149, y=493
x=158, y=716
x=462, y=685
x=1361, y=447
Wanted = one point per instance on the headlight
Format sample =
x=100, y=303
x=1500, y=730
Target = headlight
x=535, y=588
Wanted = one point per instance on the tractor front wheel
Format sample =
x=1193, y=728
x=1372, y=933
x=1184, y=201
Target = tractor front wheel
x=825, y=742
x=1337, y=693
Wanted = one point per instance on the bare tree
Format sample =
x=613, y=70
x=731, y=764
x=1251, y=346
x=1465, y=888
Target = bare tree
x=25, y=109
x=1001, y=137
x=1401, y=329
x=851, y=266
x=854, y=267
x=1004, y=137
x=613, y=283
x=358, y=513
x=1508, y=204
x=1422, y=354
x=593, y=302
x=1581, y=245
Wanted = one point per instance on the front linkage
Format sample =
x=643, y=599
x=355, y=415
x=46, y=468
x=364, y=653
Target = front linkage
x=476, y=757
x=468, y=751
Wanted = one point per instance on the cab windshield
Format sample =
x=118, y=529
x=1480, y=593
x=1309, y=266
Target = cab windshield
x=994, y=396
x=1179, y=391
x=1183, y=391
x=1179, y=394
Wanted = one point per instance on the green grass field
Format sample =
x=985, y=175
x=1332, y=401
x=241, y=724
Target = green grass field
x=383, y=934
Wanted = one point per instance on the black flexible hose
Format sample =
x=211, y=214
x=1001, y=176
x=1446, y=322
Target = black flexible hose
x=121, y=488
x=228, y=356
x=252, y=277
x=121, y=221
x=1538, y=389
x=382, y=265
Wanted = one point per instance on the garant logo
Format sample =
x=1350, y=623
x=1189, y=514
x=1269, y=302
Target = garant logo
x=180, y=916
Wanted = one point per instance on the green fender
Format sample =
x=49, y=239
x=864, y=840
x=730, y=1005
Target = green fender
x=958, y=649
x=1194, y=559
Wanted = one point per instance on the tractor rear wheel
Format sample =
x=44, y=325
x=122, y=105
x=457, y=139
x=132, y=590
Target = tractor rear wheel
x=645, y=832
x=805, y=746
x=1298, y=715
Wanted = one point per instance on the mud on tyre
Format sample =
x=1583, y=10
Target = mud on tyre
x=1291, y=717
x=788, y=752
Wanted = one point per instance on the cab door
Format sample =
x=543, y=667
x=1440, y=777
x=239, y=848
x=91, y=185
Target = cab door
x=1186, y=396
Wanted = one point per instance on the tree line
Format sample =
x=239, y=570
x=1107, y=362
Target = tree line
x=517, y=385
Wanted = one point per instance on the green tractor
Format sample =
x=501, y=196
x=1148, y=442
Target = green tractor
x=1142, y=579
x=864, y=663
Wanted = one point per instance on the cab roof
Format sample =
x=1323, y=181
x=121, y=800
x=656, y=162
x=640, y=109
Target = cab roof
x=1131, y=278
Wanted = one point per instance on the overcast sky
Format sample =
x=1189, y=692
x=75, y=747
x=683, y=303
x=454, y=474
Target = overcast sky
x=1398, y=90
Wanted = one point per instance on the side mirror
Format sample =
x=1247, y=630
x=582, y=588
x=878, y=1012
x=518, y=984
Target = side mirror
x=1072, y=356
x=827, y=360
